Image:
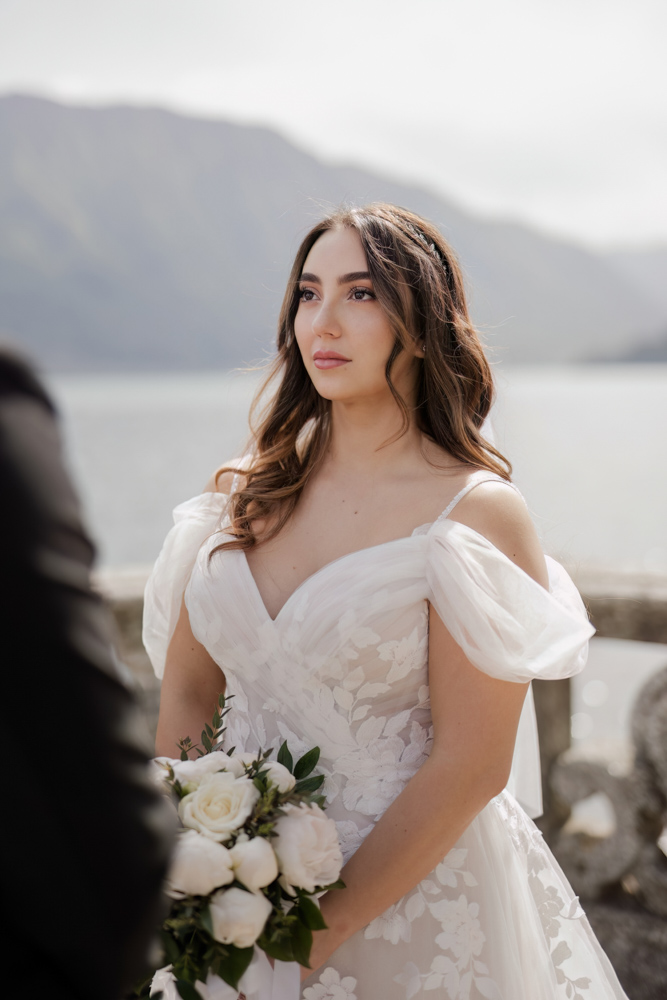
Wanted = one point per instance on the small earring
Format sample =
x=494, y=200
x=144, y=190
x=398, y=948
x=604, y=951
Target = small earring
x=423, y=347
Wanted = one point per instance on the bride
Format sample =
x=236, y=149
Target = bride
x=368, y=580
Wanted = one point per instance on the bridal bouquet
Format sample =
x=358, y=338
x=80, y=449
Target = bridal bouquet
x=253, y=849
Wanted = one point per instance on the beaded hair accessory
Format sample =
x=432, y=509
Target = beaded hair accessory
x=428, y=246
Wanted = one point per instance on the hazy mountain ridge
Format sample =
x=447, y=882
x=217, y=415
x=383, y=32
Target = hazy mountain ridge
x=647, y=269
x=138, y=238
x=645, y=351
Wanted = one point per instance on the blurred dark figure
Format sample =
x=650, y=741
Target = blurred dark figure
x=85, y=836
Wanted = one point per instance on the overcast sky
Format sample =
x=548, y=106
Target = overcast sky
x=549, y=111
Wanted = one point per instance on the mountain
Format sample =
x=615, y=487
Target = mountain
x=646, y=269
x=141, y=239
x=643, y=352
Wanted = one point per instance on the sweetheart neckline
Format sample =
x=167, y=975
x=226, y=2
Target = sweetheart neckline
x=420, y=531
x=325, y=567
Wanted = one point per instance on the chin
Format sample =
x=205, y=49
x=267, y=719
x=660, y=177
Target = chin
x=339, y=387
x=327, y=387
x=333, y=395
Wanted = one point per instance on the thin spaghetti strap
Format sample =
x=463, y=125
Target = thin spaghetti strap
x=476, y=479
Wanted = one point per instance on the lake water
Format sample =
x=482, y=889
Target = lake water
x=587, y=444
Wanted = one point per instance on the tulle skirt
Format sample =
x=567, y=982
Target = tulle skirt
x=496, y=919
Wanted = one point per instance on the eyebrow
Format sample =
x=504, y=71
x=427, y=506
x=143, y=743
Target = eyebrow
x=344, y=279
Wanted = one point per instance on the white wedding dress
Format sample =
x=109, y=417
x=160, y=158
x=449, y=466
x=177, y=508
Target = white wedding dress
x=344, y=667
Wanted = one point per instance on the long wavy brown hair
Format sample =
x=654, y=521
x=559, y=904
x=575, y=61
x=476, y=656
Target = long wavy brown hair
x=417, y=281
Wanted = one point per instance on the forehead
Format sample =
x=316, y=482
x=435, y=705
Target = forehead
x=337, y=251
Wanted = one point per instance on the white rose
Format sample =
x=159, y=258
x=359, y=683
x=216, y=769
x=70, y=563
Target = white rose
x=234, y=765
x=247, y=758
x=307, y=848
x=190, y=772
x=164, y=980
x=199, y=865
x=165, y=760
x=238, y=917
x=213, y=989
x=254, y=863
x=219, y=805
x=160, y=770
x=279, y=776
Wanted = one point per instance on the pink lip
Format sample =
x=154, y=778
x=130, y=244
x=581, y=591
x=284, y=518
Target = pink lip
x=329, y=359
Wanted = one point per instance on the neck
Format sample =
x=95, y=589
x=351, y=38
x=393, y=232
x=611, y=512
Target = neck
x=360, y=432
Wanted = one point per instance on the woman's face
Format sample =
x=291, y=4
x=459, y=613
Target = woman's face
x=343, y=334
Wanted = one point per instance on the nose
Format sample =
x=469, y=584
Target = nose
x=324, y=320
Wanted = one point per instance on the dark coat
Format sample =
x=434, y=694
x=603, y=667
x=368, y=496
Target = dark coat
x=85, y=837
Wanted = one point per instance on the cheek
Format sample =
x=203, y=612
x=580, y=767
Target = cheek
x=378, y=340
x=301, y=330
x=375, y=330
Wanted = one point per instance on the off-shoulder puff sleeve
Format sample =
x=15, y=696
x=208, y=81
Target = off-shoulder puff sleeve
x=509, y=627
x=507, y=624
x=194, y=521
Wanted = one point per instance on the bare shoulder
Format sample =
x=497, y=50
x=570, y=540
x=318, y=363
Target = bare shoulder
x=498, y=512
x=222, y=479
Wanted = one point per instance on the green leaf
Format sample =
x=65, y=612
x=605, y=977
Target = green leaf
x=234, y=965
x=310, y=914
x=281, y=950
x=285, y=757
x=171, y=950
x=302, y=942
x=184, y=755
x=187, y=990
x=307, y=763
x=216, y=719
x=207, y=743
x=338, y=884
x=309, y=784
x=209, y=731
x=205, y=920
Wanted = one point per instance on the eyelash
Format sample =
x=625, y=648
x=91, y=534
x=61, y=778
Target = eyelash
x=366, y=291
x=360, y=288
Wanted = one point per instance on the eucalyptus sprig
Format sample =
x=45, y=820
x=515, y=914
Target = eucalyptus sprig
x=209, y=734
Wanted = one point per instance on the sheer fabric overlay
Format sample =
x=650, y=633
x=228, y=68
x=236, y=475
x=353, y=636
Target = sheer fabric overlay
x=344, y=666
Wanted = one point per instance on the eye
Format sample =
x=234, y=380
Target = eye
x=306, y=294
x=361, y=294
